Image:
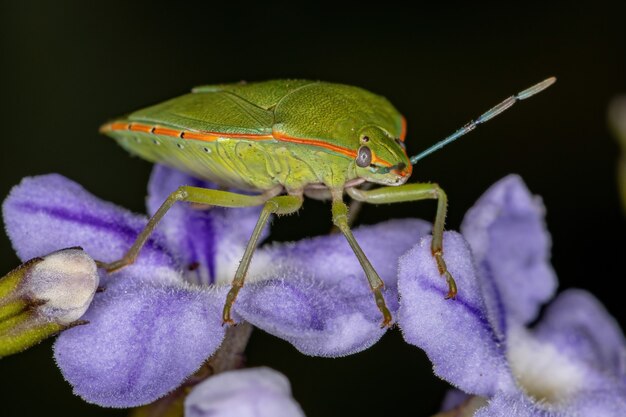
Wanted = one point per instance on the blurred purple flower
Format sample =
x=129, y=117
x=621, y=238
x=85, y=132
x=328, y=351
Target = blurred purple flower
x=160, y=318
x=572, y=363
x=254, y=392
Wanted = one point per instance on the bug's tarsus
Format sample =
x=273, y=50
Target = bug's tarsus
x=101, y=264
x=77, y=323
x=443, y=270
x=486, y=116
x=380, y=303
x=228, y=305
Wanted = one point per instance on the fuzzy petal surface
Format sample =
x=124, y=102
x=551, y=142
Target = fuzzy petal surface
x=511, y=246
x=254, y=392
x=50, y=212
x=515, y=405
x=456, y=333
x=318, y=297
x=579, y=326
x=141, y=342
x=600, y=403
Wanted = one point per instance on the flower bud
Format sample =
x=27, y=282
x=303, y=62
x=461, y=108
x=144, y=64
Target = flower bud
x=258, y=392
x=44, y=296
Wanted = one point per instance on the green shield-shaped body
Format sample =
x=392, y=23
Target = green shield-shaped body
x=256, y=136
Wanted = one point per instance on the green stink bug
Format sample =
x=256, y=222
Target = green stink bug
x=285, y=139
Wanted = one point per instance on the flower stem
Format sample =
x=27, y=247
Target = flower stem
x=230, y=355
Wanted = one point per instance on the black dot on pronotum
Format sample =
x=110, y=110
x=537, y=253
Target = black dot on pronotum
x=180, y=145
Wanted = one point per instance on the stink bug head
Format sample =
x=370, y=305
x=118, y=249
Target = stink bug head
x=381, y=158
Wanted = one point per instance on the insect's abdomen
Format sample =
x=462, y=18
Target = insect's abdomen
x=255, y=163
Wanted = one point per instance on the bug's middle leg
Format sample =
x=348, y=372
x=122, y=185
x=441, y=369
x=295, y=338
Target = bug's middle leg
x=285, y=204
x=415, y=192
x=340, y=219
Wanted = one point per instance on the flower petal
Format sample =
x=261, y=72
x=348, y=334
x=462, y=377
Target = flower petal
x=515, y=405
x=318, y=297
x=454, y=398
x=141, y=342
x=455, y=334
x=507, y=234
x=605, y=403
x=45, y=213
x=580, y=327
x=599, y=403
x=210, y=241
x=256, y=392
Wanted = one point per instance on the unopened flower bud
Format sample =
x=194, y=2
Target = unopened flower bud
x=44, y=296
x=253, y=392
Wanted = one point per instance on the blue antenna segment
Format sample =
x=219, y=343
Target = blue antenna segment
x=488, y=115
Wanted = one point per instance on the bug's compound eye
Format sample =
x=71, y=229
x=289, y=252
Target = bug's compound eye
x=364, y=157
x=365, y=139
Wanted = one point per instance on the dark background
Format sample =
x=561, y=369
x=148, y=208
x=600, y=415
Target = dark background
x=69, y=66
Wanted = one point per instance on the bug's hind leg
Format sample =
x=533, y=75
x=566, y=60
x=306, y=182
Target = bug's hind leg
x=340, y=219
x=280, y=205
x=189, y=194
x=415, y=192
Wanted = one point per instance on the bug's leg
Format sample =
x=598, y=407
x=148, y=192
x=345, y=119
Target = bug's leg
x=340, y=219
x=326, y=194
x=355, y=205
x=280, y=205
x=353, y=211
x=189, y=194
x=415, y=192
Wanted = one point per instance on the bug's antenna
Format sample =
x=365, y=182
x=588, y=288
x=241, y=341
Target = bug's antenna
x=488, y=115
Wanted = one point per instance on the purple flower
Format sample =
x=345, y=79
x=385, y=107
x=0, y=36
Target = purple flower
x=254, y=392
x=160, y=318
x=572, y=363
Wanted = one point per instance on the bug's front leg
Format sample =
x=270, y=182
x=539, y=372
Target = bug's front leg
x=415, y=192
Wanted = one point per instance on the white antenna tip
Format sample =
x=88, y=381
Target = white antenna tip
x=537, y=88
